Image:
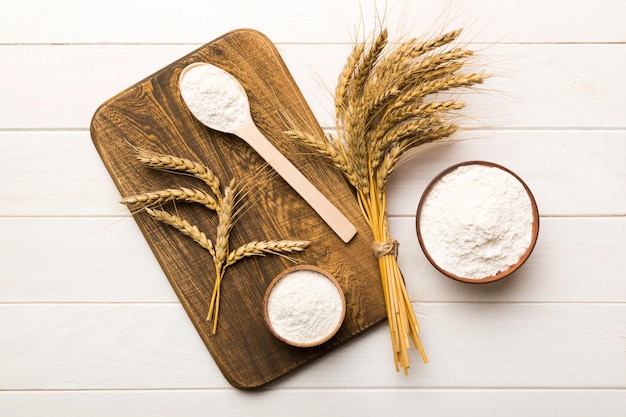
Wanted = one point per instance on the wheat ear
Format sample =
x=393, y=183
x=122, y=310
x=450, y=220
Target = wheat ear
x=325, y=148
x=184, y=227
x=180, y=165
x=260, y=248
x=344, y=79
x=183, y=194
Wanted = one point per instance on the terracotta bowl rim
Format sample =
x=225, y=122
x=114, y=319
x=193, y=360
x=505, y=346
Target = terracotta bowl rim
x=286, y=272
x=502, y=274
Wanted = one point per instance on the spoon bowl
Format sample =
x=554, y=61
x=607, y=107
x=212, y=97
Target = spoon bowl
x=215, y=97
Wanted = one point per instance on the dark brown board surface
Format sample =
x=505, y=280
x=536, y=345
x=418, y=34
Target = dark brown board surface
x=152, y=115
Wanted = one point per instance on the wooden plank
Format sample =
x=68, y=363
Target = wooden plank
x=107, y=260
x=152, y=115
x=101, y=346
x=531, y=88
x=573, y=173
x=322, y=21
x=78, y=260
x=405, y=402
x=54, y=173
x=58, y=173
x=471, y=345
x=77, y=80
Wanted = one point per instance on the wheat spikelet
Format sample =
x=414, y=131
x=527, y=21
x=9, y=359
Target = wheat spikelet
x=365, y=66
x=400, y=70
x=224, y=225
x=260, y=248
x=387, y=164
x=355, y=127
x=430, y=135
x=184, y=227
x=431, y=68
x=409, y=129
x=404, y=54
x=445, y=83
x=435, y=43
x=321, y=146
x=345, y=77
x=182, y=165
x=183, y=194
x=325, y=148
x=402, y=67
x=417, y=110
x=356, y=149
x=389, y=134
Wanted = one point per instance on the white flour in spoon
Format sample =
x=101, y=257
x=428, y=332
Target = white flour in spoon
x=476, y=221
x=304, y=307
x=214, y=97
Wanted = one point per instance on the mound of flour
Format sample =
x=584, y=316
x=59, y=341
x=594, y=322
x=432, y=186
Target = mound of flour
x=214, y=97
x=476, y=221
x=305, y=307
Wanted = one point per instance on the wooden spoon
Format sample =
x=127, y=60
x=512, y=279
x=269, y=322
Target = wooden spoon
x=219, y=101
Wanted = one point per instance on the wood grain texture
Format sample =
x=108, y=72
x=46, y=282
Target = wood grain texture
x=152, y=115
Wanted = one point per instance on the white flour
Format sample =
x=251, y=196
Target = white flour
x=304, y=307
x=476, y=221
x=214, y=97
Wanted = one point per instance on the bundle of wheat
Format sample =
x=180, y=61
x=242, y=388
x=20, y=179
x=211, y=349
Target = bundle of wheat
x=386, y=104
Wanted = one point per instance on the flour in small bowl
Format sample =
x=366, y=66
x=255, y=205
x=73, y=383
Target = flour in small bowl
x=304, y=307
x=476, y=221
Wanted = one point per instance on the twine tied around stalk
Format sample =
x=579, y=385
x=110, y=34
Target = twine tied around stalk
x=381, y=249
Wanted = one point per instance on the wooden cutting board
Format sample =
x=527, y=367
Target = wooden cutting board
x=152, y=115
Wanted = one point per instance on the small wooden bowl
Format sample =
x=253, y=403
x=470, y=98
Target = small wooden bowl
x=311, y=342
x=501, y=274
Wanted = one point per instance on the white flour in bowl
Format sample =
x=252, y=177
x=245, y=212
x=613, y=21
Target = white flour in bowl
x=304, y=307
x=476, y=221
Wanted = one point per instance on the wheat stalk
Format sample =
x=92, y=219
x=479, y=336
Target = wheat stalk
x=181, y=165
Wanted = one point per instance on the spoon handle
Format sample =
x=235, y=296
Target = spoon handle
x=326, y=210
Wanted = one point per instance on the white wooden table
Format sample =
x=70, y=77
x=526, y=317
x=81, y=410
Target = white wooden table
x=90, y=326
